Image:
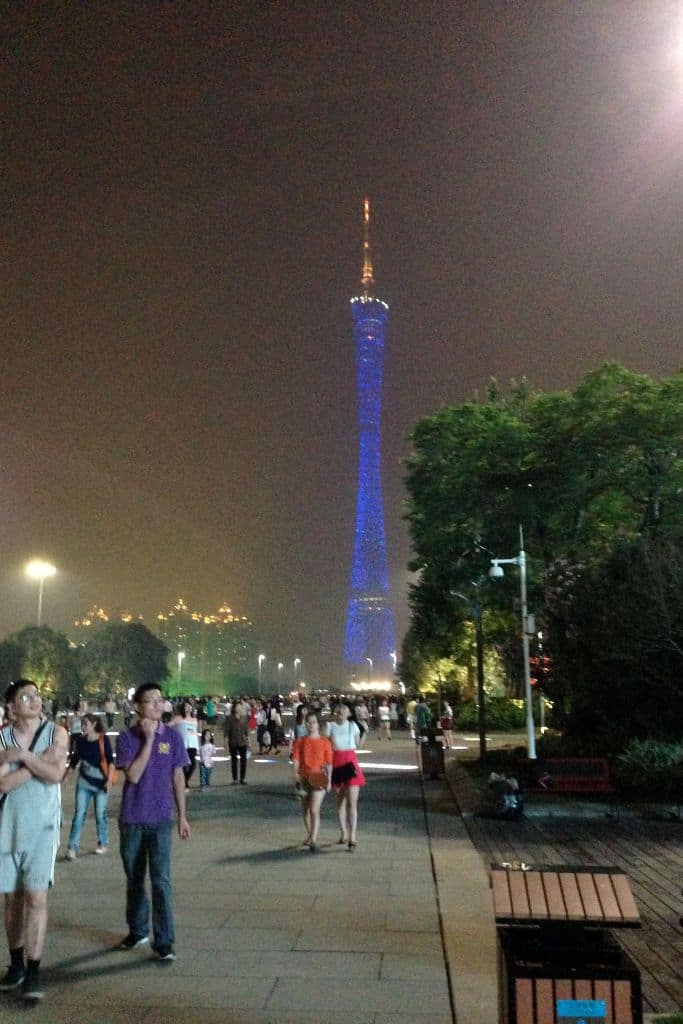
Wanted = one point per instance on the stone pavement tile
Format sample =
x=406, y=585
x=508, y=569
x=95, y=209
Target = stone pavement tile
x=410, y=996
x=237, y=963
x=398, y=965
x=426, y=1017
x=249, y=939
x=411, y=943
x=152, y=981
x=426, y=919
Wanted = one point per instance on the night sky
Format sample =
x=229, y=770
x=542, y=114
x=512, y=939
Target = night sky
x=182, y=232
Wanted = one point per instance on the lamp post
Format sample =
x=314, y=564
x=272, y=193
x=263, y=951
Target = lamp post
x=393, y=660
x=297, y=662
x=261, y=659
x=369, y=661
x=495, y=572
x=39, y=570
x=476, y=615
x=280, y=666
x=181, y=659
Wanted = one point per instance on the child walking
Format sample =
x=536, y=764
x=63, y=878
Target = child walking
x=207, y=752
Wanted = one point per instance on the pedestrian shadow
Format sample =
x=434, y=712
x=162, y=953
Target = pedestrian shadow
x=276, y=856
x=117, y=962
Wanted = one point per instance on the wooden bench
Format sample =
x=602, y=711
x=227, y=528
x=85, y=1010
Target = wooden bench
x=567, y=775
x=564, y=895
x=555, y=944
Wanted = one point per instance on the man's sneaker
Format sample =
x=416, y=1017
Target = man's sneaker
x=101, y=849
x=133, y=942
x=13, y=977
x=71, y=854
x=32, y=988
x=164, y=953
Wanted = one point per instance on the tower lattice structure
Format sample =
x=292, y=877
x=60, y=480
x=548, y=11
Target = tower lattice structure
x=370, y=632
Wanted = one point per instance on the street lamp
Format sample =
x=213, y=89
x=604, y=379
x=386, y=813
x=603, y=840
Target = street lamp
x=476, y=615
x=495, y=572
x=39, y=570
x=280, y=666
x=261, y=659
x=369, y=661
x=393, y=660
x=181, y=659
x=297, y=662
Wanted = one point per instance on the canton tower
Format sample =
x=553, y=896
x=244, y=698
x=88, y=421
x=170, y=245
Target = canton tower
x=370, y=634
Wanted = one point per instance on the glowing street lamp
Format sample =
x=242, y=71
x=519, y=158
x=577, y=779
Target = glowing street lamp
x=495, y=572
x=181, y=658
x=261, y=659
x=369, y=661
x=39, y=570
x=297, y=662
x=393, y=660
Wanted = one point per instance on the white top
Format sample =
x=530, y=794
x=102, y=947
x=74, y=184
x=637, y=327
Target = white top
x=188, y=730
x=207, y=752
x=344, y=737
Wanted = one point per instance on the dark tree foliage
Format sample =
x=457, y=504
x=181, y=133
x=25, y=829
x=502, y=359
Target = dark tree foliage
x=588, y=475
x=124, y=655
x=46, y=657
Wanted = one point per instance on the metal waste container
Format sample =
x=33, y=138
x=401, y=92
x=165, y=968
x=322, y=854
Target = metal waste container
x=558, y=961
x=431, y=756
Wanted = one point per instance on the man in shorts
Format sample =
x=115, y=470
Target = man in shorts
x=33, y=756
x=152, y=755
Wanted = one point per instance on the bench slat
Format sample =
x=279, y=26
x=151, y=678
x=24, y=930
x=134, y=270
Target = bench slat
x=553, y=895
x=536, y=894
x=627, y=904
x=589, y=897
x=520, y=902
x=545, y=1005
x=607, y=897
x=502, y=904
x=603, y=991
x=572, y=899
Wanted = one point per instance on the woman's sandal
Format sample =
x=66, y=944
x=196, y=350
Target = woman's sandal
x=352, y=846
x=342, y=841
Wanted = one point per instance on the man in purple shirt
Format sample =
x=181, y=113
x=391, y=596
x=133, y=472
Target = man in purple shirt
x=152, y=756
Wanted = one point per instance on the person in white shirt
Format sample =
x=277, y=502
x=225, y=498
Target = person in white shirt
x=347, y=777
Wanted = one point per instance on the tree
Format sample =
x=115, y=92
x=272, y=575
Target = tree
x=581, y=472
x=46, y=657
x=122, y=656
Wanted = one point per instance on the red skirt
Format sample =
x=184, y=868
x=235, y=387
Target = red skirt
x=340, y=757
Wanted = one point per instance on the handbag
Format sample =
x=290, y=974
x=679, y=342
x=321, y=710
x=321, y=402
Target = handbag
x=343, y=773
x=104, y=765
x=317, y=780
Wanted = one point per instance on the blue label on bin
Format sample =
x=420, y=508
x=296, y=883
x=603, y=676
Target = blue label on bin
x=574, y=1011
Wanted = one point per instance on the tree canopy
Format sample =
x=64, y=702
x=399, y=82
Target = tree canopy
x=592, y=475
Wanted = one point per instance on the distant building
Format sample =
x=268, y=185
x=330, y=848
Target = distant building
x=96, y=617
x=207, y=648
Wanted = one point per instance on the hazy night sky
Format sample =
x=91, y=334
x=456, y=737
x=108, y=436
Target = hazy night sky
x=182, y=229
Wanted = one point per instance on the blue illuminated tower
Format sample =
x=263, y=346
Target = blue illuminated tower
x=370, y=621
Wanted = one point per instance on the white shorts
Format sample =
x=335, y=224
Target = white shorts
x=29, y=870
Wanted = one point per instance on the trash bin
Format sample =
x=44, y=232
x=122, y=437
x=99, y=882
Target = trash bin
x=431, y=758
x=542, y=980
x=558, y=962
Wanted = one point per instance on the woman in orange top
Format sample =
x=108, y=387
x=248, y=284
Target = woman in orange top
x=312, y=757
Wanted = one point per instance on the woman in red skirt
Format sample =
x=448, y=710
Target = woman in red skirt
x=347, y=777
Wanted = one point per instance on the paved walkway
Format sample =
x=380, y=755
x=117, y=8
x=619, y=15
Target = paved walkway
x=400, y=930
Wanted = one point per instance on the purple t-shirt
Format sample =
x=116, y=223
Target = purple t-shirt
x=150, y=801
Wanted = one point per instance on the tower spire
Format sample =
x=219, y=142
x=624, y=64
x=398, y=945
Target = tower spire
x=367, y=280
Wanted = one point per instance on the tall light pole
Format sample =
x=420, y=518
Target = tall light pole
x=261, y=659
x=39, y=570
x=495, y=572
x=394, y=660
x=369, y=661
x=297, y=662
x=476, y=616
x=181, y=659
x=280, y=666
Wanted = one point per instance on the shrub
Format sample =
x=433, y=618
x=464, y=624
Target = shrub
x=648, y=767
x=501, y=713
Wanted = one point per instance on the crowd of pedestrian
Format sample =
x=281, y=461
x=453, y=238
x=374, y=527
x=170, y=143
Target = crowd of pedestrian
x=157, y=750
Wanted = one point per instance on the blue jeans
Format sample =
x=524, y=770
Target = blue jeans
x=84, y=793
x=140, y=845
